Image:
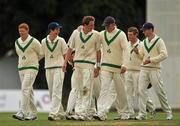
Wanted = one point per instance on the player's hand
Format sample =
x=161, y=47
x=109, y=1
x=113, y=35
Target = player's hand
x=64, y=67
x=136, y=50
x=96, y=71
x=147, y=61
x=123, y=69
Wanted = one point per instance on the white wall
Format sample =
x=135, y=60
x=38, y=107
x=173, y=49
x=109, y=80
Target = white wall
x=9, y=77
x=165, y=15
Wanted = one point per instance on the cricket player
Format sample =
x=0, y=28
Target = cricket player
x=153, y=53
x=133, y=70
x=87, y=53
x=114, y=59
x=28, y=50
x=54, y=49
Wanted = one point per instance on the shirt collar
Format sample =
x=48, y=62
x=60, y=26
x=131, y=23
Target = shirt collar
x=27, y=39
x=50, y=40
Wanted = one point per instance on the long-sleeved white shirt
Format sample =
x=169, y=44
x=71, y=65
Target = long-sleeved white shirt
x=115, y=50
x=155, y=50
x=28, y=52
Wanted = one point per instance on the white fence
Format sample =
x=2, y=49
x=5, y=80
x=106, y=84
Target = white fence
x=10, y=100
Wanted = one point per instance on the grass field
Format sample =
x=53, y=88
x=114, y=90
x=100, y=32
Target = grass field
x=7, y=120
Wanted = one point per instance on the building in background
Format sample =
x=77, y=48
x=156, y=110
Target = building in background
x=165, y=15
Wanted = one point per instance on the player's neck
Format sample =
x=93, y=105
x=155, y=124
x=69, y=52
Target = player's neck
x=86, y=31
x=111, y=29
x=133, y=41
x=150, y=37
x=23, y=38
x=52, y=37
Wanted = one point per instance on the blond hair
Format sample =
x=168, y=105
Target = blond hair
x=24, y=26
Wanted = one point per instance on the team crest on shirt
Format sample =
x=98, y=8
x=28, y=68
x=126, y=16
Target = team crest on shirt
x=23, y=58
x=51, y=56
x=82, y=47
x=109, y=51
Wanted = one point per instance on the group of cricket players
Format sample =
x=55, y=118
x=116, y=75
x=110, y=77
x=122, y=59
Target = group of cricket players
x=108, y=70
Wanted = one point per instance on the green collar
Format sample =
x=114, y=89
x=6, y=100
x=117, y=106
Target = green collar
x=113, y=38
x=150, y=48
x=23, y=49
x=85, y=40
x=53, y=46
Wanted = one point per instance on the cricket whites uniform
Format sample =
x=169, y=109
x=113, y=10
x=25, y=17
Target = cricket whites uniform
x=28, y=52
x=86, y=46
x=132, y=77
x=53, y=52
x=151, y=73
x=115, y=52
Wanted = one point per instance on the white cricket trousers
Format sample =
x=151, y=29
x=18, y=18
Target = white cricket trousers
x=55, y=79
x=27, y=78
x=131, y=84
x=72, y=96
x=83, y=79
x=104, y=103
x=153, y=76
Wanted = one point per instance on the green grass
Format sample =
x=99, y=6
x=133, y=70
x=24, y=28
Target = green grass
x=7, y=120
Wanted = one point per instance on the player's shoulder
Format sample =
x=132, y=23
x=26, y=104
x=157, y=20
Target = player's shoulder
x=121, y=32
x=43, y=40
x=95, y=31
x=75, y=31
x=102, y=32
x=61, y=39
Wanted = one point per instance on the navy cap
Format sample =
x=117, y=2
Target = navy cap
x=147, y=25
x=108, y=20
x=54, y=25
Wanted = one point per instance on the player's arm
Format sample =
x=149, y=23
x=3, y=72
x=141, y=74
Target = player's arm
x=98, y=56
x=66, y=58
x=124, y=46
x=162, y=52
x=38, y=49
x=64, y=48
x=42, y=51
x=71, y=44
x=139, y=51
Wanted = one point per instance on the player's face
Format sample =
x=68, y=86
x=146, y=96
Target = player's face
x=90, y=26
x=131, y=36
x=148, y=32
x=23, y=32
x=55, y=32
x=110, y=27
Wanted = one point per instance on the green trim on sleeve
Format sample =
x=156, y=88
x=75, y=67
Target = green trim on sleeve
x=111, y=65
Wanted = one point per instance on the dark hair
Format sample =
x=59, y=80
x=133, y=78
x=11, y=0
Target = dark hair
x=134, y=30
x=87, y=19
